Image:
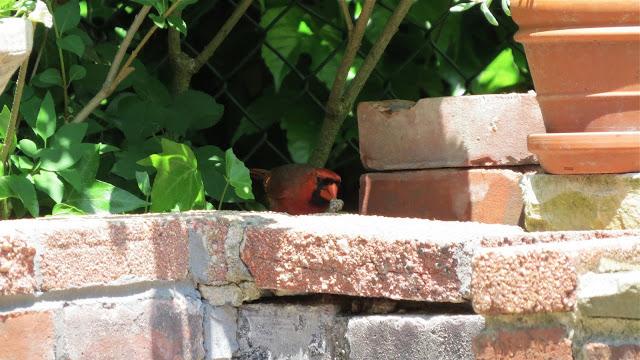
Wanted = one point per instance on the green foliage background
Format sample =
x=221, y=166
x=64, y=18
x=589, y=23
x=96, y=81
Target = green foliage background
x=259, y=101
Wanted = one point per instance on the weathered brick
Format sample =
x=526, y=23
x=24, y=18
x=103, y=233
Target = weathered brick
x=524, y=344
x=480, y=195
x=27, y=335
x=544, y=277
x=485, y=130
x=132, y=328
x=214, y=246
x=17, y=253
x=530, y=238
x=408, y=259
x=86, y=251
x=605, y=351
x=409, y=337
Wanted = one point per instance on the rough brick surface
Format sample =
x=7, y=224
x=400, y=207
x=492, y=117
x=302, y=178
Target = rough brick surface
x=544, y=277
x=485, y=130
x=524, y=344
x=220, y=332
x=605, y=351
x=272, y=331
x=558, y=236
x=17, y=275
x=370, y=256
x=27, y=335
x=78, y=252
x=132, y=328
x=480, y=195
x=413, y=337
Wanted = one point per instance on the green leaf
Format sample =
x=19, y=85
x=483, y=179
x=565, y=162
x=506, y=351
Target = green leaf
x=158, y=20
x=29, y=148
x=177, y=23
x=23, y=189
x=178, y=183
x=50, y=77
x=22, y=163
x=77, y=72
x=194, y=110
x=142, y=177
x=58, y=158
x=505, y=7
x=83, y=173
x=66, y=209
x=49, y=183
x=5, y=189
x=102, y=197
x=69, y=134
x=302, y=135
x=500, y=74
x=211, y=162
x=67, y=16
x=283, y=36
x=72, y=43
x=29, y=110
x=462, y=7
x=5, y=117
x=487, y=14
x=237, y=175
x=46, y=121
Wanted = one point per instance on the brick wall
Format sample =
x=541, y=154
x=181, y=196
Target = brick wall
x=223, y=285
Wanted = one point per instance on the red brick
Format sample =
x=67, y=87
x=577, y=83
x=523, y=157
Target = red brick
x=559, y=236
x=543, y=277
x=138, y=329
x=524, y=344
x=370, y=256
x=485, y=130
x=604, y=351
x=17, y=255
x=488, y=196
x=27, y=336
x=87, y=251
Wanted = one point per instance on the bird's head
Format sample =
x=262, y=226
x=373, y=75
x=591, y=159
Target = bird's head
x=326, y=187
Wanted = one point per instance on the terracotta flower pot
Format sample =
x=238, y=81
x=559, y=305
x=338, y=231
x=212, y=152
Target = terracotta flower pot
x=16, y=41
x=584, y=57
x=588, y=152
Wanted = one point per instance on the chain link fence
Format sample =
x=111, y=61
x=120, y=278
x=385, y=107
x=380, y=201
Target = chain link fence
x=452, y=62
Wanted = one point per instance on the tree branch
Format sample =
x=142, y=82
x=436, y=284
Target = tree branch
x=107, y=86
x=15, y=112
x=213, y=45
x=376, y=52
x=347, y=16
x=340, y=104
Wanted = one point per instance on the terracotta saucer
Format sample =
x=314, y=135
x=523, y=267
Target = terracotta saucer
x=587, y=152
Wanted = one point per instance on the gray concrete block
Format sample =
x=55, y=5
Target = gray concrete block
x=220, y=327
x=408, y=337
x=291, y=332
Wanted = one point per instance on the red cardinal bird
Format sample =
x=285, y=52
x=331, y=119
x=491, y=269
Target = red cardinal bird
x=298, y=189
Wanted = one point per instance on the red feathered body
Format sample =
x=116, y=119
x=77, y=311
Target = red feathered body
x=299, y=189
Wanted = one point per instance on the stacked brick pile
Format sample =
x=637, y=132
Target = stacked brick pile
x=220, y=285
x=454, y=158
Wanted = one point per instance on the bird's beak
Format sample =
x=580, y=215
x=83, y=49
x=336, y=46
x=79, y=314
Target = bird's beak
x=329, y=192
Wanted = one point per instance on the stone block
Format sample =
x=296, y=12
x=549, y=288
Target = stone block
x=480, y=195
x=220, y=331
x=413, y=337
x=610, y=295
x=407, y=259
x=27, y=335
x=581, y=202
x=483, y=130
x=607, y=351
x=278, y=331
